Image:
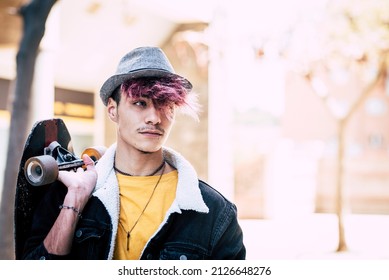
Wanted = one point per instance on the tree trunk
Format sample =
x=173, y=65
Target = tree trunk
x=34, y=16
x=342, y=246
x=342, y=125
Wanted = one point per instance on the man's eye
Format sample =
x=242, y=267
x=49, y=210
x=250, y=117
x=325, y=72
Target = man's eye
x=140, y=103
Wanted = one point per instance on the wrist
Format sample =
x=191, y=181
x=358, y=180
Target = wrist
x=74, y=209
x=76, y=199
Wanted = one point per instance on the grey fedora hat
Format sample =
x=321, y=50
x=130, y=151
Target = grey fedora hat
x=140, y=62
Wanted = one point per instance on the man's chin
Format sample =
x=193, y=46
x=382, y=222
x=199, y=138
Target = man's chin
x=149, y=151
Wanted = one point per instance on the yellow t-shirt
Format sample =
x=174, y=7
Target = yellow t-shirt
x=135, y=192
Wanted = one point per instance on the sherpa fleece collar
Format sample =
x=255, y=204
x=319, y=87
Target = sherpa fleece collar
x=188, y=195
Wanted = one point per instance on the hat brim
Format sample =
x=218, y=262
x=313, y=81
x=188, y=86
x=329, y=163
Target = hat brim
x=116, y=80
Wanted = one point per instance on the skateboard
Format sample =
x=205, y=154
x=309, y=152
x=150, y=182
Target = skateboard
x=48, y=149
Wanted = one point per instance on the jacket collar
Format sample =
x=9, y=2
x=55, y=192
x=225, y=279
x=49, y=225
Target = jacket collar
x=188, y=195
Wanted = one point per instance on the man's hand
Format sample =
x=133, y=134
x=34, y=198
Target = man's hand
x=81, y=183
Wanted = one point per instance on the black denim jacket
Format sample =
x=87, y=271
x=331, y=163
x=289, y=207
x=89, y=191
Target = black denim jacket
x=188, y=235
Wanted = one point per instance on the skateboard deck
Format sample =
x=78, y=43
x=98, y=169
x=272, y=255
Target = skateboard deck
x=28, y=196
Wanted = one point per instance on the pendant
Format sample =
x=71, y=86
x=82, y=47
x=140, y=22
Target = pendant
x=128, y=241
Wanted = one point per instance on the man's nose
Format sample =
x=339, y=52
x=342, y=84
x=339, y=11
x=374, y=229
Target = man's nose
x=153, y=115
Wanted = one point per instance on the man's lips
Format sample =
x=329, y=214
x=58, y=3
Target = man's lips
x=151, y=131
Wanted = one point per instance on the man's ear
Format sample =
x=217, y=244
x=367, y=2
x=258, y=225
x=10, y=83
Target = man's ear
x=112, y=110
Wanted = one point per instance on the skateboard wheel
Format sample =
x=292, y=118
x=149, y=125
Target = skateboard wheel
x=41, y=170
x=95, y=153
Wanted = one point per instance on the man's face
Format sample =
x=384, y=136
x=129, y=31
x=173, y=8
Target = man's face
x=141, y=126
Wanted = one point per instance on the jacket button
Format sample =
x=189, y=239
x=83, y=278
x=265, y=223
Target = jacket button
x=149, y=256
x=79, y=233
x=183, y=258
x=42, y=258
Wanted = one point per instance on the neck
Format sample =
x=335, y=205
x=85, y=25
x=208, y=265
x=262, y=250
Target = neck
x=138, y=163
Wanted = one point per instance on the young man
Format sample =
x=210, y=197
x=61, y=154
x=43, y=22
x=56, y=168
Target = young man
x=142, y=200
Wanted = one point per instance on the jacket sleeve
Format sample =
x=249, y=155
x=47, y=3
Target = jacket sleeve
x=44, y=216
x=228, y=241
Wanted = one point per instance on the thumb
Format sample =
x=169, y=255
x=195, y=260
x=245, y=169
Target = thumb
x=89, y=163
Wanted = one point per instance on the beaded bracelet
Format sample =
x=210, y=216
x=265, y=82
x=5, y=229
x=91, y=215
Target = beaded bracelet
x=71, y=208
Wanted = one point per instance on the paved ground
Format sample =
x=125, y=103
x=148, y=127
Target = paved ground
x=315, y=237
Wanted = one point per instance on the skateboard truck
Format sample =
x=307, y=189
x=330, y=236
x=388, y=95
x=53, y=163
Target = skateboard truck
x=43, y=170
x=65, y=159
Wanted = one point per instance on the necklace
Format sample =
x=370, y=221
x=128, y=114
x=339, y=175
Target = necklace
x=128, y=174
x=128, y=232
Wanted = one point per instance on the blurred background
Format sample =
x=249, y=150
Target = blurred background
x=294, y=127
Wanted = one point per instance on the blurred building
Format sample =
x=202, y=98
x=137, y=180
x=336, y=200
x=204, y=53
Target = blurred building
x=366, y=164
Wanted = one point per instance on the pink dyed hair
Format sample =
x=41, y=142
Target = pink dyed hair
x=166, y=93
